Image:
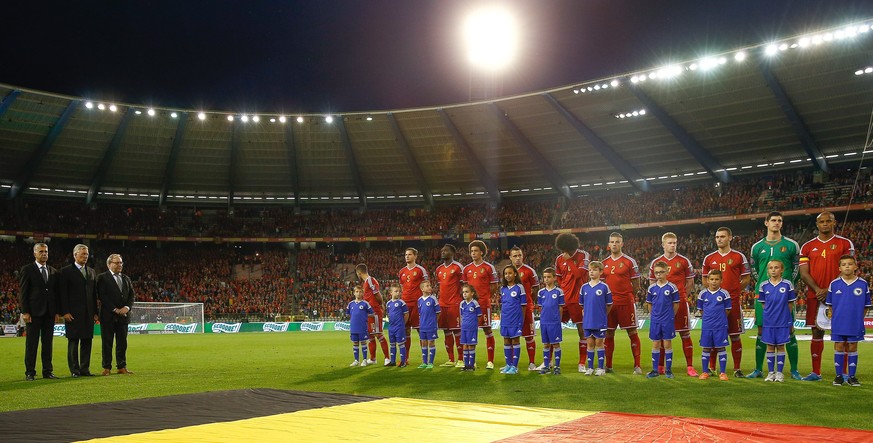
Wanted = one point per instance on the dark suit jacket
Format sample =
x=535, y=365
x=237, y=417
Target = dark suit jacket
x=112, y=298
x=78, y=296
x=35, y=296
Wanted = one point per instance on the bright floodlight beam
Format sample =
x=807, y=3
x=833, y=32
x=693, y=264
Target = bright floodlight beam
x=491, y=38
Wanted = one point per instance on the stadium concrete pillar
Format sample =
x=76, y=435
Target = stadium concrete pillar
x=801, y=130
x=174, y=157
x=703, y=157
x=292, y=164
x=478, y=168
x=8, y=100
x=108, y=156
x=35, y=160
x=410, y=160
x=232, y=170
x=539, y=160
x=620, y=164
x=353, y=163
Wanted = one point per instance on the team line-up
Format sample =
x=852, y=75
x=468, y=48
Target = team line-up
x=598, y=297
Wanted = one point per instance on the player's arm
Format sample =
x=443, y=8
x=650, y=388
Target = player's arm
x=675, y=307
x=495, y=293
x=745, y=280
x=820, y=293
x=689, y=284
x=405, y=317
x=635, y=284
x=608, y=309
x=791, y=307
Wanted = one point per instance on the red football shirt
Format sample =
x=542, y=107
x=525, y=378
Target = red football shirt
x=823, y=258
x=449, y=278
x=371, y=288
x=618, y=273
x=410, y=282
x=572, y=274
x=480, y=277
x=529, y=279
x=733, y=267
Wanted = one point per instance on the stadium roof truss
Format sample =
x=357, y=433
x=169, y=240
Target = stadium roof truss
x=802, y=102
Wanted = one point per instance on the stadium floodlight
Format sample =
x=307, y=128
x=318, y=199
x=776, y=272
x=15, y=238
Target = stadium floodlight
x=771, y=49
x=174, y=115
x=783, y=47
x=151, y=112
x=282, y=119
x=816, y=40
x=491, y=38
x=859, y=72
x=668, y=72
x=101, y=106
x=89, y=105
x=708, y=63
x=614, y=83
x=256, y=119
x=272, y=120
x=803, y=42
x=369, y=118
x=244, y=118
x=642, y=112
x=575, y=91
x=201, y=116
x=137, y=112
x=299, y=119
x=722, y=60
x=740, y=56
x=230, y=118
x=328, y=119
x=113, y=108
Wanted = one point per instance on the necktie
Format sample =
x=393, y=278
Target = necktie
x=118, y=282
x=83, y=272
x=45, y=276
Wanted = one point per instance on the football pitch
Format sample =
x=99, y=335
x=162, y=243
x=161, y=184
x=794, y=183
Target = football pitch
x=181, y=363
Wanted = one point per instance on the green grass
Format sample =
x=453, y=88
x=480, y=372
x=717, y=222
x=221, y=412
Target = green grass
x=179, y=364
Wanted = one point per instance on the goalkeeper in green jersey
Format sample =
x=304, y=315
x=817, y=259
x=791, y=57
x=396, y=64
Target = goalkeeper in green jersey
x=774, y=246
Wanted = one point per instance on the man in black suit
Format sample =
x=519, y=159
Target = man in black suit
x=116, y=295
x=37, y=299
x=77, y=294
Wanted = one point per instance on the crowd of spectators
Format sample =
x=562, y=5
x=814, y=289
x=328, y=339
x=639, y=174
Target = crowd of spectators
x=787, y=190
x=257, y=284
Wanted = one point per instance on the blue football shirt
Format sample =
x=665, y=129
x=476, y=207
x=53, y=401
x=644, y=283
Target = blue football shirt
x=512, y=299
x=396, y=310
x=428, y=308
x=848, y=301
x=358, y=311
x=470, y=313
x=775, y=298
x=595, y=299
x=713, y=304
x=662, y=299
x=550, y=300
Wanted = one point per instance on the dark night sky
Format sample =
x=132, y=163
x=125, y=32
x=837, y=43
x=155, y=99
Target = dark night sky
x=343, y=55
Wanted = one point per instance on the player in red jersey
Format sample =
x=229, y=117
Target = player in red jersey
x=410, y=277
x=571, y=269
x=374, y=323
x=528, y=278
x=736, y=274
x=482, y=276
x=448, y=275
x=622, y=274
x=681, y=273
x=819, y=265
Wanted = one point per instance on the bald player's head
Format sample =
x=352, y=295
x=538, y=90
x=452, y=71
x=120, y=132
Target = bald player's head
x=826, y=222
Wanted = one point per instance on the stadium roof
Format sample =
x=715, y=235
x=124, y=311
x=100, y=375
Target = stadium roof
x=804, y=101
